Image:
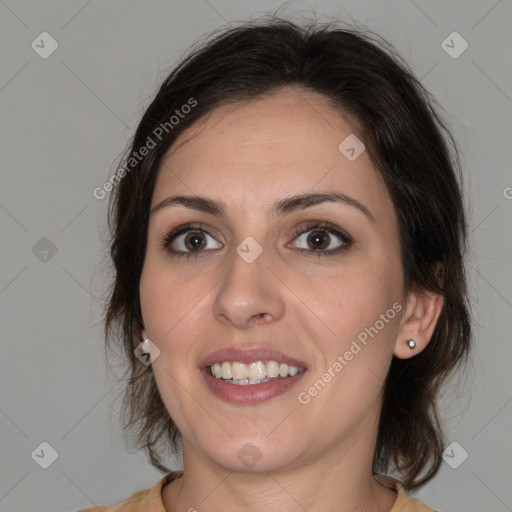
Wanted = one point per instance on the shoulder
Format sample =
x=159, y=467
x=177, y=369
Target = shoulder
x=141, y=501
x=403, y=503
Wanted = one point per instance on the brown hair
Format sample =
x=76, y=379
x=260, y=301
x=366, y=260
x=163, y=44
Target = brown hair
x=411, y=149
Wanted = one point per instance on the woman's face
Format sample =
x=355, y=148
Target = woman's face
x=257, y=276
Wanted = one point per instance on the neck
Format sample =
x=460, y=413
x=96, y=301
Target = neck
x=339, y=481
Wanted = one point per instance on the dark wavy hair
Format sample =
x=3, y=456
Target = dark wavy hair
x=410, y=147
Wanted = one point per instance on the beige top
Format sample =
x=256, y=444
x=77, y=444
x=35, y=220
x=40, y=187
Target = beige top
x=150, y=500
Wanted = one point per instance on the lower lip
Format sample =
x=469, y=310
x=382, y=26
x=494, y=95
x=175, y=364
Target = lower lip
x=251, y=393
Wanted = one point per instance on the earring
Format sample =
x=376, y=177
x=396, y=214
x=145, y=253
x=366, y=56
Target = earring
x=412, y=344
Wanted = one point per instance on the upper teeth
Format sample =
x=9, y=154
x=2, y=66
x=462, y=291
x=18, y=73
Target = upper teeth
x=253, y=371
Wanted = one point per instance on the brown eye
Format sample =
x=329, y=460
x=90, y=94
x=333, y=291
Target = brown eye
x=187, y=240
x=318, y=240
x=321, y=238
x=194, y=241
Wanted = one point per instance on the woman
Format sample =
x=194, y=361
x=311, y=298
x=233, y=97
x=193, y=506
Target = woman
x=288, y=235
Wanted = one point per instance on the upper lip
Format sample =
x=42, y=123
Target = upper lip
x=249, y=355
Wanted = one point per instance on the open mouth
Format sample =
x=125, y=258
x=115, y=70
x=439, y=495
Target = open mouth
x=247, y=375
x=257, y=372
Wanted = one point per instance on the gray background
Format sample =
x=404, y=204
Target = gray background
x=65, y=120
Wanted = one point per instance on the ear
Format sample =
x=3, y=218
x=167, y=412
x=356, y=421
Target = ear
x=418, y=322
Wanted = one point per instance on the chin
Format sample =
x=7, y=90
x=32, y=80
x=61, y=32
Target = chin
x=251, y=456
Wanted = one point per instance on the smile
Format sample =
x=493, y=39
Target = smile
x=253, y=373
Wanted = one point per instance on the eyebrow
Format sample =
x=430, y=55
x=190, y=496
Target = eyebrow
x=282, y=207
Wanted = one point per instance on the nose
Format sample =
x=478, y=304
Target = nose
x=249, y=294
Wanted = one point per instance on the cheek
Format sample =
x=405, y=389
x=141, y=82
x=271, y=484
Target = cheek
x=167, y=299
x=174, y=310
x=359, y=315
x=154, y=302
x=170, y=309
x=356, y=318
x=353, y=297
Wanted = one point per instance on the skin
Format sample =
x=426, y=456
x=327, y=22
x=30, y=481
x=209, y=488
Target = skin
x=314, y=457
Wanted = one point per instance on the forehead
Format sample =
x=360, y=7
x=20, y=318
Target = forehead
x=248, y=153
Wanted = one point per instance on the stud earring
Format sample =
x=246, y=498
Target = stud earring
x=412, y=344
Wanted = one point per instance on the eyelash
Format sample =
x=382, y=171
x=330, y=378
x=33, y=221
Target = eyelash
x=321, y=226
